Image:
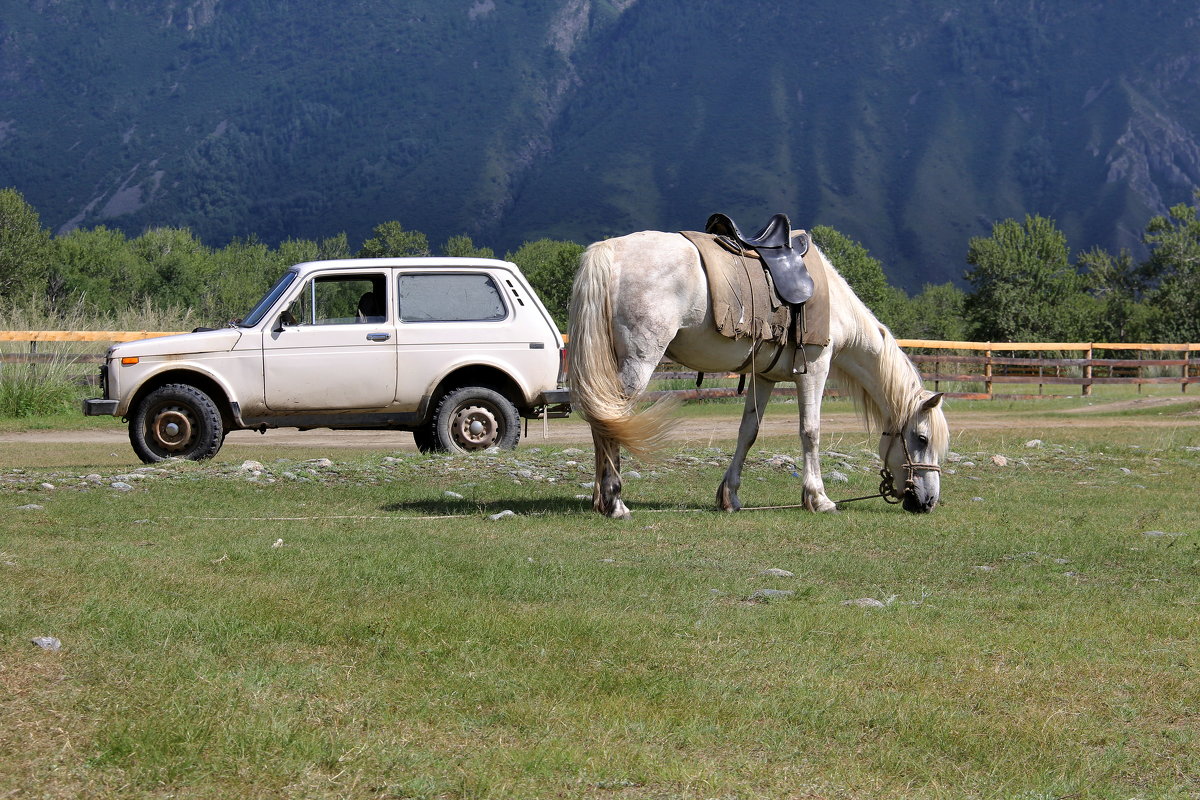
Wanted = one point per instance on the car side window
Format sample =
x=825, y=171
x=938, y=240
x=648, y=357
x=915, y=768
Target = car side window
x=453, y=297
x=340, y=300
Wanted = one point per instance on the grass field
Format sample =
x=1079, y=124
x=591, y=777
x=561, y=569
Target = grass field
x=363, y=628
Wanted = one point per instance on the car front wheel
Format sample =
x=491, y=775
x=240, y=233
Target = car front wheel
x=475, y=418
x=176, y=421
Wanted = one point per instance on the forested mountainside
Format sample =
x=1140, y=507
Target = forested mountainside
x=908, y=126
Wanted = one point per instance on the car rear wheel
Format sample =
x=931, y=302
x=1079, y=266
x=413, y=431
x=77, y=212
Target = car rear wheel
x=475, y=418
x=176, y=421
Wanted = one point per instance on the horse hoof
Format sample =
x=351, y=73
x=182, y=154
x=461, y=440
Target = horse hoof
x=727, y=501
x=822, y=505
x=618, y=511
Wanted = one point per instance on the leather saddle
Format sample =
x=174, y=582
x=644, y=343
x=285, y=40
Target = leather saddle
x=782, y=256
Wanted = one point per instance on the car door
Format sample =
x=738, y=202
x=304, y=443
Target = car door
x=335, y=349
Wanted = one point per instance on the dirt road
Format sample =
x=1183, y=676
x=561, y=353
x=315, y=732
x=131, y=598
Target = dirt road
x=780, y=422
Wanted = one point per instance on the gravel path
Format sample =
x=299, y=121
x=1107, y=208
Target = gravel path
x=574, y=431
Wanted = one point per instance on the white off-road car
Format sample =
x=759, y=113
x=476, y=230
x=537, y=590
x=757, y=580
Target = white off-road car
x=454, y=350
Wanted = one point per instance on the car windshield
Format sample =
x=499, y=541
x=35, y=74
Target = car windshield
x=264, y=305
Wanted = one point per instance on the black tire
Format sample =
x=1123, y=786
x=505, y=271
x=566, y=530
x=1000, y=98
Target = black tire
x=426, y=439
x=474, y=418
x=176, y=421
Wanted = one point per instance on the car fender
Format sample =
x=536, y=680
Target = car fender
x=491, y=361
x=176, y=369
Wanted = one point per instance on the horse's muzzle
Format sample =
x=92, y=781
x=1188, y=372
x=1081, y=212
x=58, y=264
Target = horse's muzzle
x=917, y=505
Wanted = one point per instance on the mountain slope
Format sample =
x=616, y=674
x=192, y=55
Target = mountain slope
x=910, y=127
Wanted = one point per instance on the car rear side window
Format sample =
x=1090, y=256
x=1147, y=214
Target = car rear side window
x=454, y=297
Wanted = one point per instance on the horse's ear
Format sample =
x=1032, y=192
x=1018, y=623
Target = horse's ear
x=933, y=401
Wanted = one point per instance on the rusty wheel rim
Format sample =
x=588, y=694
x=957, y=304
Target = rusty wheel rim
x=474, y=427
x=172, y=428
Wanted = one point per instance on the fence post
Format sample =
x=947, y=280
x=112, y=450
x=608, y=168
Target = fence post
x=1142, y=356
x=987, y=373
x=1087, y=371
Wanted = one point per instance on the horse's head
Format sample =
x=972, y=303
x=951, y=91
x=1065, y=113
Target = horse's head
x=912, y=455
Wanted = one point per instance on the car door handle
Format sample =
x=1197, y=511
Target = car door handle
x=378, y=337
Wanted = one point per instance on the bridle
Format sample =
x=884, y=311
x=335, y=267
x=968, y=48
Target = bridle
x=887, y=484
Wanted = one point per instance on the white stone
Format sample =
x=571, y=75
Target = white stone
x=865, y=602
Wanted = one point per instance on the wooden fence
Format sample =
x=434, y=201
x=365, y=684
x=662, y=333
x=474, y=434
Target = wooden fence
x=981, y=370
x=988, y=364
x=971, y=370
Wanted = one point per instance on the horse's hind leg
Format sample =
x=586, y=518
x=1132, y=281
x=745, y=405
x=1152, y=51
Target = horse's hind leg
x=606, y=492
x=752, y=414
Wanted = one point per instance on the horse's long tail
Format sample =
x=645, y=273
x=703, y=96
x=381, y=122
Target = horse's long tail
x=597, y=390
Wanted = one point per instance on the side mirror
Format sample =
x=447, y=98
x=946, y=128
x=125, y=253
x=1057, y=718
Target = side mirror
x=285, y=318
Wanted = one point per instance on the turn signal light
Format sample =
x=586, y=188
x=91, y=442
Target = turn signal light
x=129, y=361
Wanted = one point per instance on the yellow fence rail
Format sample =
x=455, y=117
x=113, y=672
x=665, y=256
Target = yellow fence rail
x=35, y=339
x=81, y=336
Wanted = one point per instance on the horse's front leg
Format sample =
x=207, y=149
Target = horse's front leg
x=752, y=414
x=606, y=492
x=810, y=387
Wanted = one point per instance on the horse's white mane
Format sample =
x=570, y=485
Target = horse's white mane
x=900, y=383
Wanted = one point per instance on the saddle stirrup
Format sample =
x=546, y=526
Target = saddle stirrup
x=799, y=328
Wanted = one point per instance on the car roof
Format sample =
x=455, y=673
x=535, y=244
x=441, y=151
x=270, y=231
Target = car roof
x=434, y=262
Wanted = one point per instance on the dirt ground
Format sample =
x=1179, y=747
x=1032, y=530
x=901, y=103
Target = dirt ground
x=574, y=431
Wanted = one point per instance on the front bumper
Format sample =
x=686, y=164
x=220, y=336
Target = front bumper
x=99, y=408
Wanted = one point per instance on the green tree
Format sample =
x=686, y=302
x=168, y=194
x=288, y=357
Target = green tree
x=462, y=246
x=100, y=267
x=1023, y=284
x=935, y=313
x=181, y=266
x=1174, y=266
x=297, y=251
x=236, y=276
x=1117, y=284
x=390, y=239
x=550, y=266
x=24, y=246
x=863, y=272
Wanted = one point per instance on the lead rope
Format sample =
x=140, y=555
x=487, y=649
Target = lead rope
x=887, y=486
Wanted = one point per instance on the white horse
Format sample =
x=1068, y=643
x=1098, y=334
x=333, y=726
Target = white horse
x=641, y=296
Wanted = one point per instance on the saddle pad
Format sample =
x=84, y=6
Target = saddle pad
x=745, y=305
